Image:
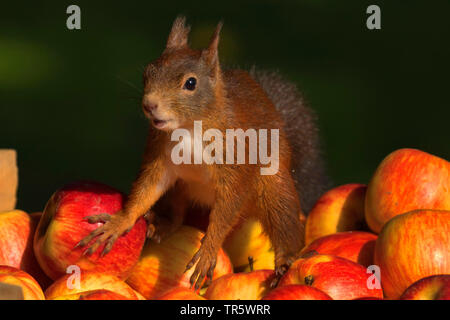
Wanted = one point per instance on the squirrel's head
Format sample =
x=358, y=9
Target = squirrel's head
x=182, y=85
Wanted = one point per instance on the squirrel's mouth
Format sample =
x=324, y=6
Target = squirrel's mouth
x=160, y=124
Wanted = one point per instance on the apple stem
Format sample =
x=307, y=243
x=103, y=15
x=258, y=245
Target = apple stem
x=309, y=280
x=250, y=262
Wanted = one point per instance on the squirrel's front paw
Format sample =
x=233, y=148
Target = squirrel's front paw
x=204, y=268
x=114, y=226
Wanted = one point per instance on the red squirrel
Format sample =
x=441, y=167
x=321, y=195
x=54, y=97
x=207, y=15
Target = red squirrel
x=185, y=85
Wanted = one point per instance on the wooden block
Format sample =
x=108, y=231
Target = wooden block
x=10, y=292
x=9, y=179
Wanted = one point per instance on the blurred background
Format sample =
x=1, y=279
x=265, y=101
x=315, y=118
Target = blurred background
x=70, y=100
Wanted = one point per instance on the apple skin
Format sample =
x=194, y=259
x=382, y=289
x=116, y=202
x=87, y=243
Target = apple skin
x=93, y=295
x=406, y=180
x=412, y=246
x=89, y=281
x=435, y=287
x=62, y=226
x=339, y=209
x=246, y=240
x=162, y=265
x=241, y=286
x=17, y=230
x=180, y=293
x=296, y=292
x=340, y=278
x=16, y=238
x=30, y=288
x=356, y=246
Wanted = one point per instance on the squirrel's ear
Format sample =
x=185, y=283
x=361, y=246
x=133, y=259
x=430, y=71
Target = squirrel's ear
x=210, y=55
x=178, y=36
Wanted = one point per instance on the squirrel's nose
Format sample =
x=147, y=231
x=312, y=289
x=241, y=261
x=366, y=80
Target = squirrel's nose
x=150, y=106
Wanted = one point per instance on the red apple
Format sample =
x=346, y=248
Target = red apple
x=88, y=282
x=33, y=266
x=241, y=286
x=413, y=246
x=296, y=292
x=62, y=226
x=430, y=288
x=16, y=243
x=30, y=288
x=340, y=278
x=340, y=209
x=16, y=238
x=180, y=293
x=406, y=180
x=357, y=246
x=161, y=266
x=93, y=295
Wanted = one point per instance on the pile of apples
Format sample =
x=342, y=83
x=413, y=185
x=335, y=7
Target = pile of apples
x=389, y=239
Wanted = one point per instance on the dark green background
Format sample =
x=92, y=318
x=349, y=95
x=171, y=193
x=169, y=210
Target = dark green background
x=69, y=100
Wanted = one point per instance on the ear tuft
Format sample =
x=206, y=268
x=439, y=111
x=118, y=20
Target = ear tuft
x=178, y=36
x=211, y=53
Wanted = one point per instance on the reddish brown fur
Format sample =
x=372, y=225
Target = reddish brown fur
x=223, y=99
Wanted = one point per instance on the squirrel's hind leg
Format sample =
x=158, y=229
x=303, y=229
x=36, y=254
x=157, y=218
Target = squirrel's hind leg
x=282, y=221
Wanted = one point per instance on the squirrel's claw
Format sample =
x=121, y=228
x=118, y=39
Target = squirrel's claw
x=109, y=244
x=205, y=268
x=279, y=272
x=193, y=260
x=106, y=234
x=89, y=237
x=104, y=237
x=102, y=217
x=151, y=230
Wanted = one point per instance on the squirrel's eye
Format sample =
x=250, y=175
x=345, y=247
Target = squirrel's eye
x=190, y=84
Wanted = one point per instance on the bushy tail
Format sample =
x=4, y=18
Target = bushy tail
x=308, y=169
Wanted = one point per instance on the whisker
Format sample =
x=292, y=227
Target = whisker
x=130, y=84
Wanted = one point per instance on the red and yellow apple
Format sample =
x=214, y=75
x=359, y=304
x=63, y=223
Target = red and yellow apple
x=246, y=240
x=435, y=287
x=94, y=295
x=412, y=246
x=63, y=225
x=67, y=287
x=406, y=180
x=357, y=246
x=30, y=288
x=241, y=286
x=340, y=278
x=180, y=293
x=162, y=265
x=16, y=238
x=339, y=209
x=296, y=292
x=16, y=243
